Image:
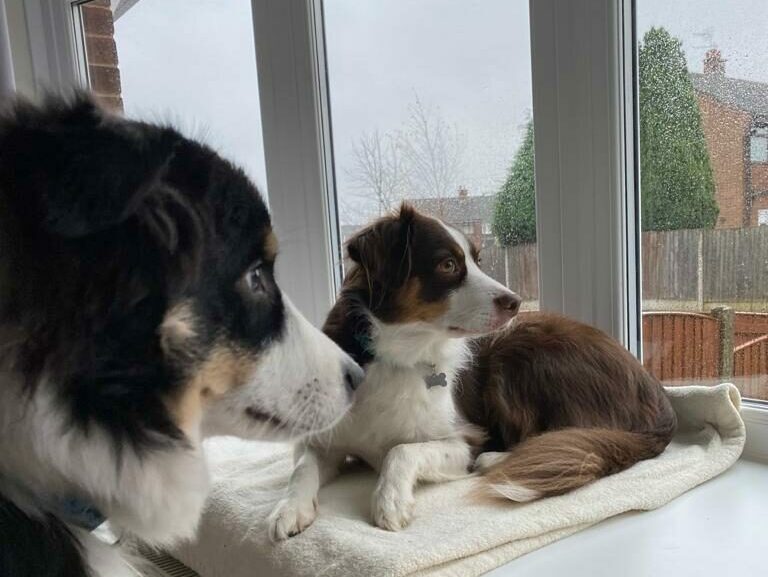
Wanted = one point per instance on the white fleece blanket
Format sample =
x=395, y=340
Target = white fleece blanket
x=450, y=535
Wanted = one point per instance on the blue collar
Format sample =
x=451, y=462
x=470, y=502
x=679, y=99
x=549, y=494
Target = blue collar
x=80, y=513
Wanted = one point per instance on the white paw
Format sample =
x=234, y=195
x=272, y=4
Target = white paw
x=392, y=508
x=486, y=461
x=290, y=517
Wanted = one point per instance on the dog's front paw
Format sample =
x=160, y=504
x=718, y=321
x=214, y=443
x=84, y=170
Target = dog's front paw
x=392, y=508
x=290, y=517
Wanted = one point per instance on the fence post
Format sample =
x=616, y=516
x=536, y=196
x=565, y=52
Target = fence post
x=506, y=267
x=700, y=271
x=725, y=319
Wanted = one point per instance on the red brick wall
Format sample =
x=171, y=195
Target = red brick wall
x=759, y=178
x=101, y=52
x=725, y=129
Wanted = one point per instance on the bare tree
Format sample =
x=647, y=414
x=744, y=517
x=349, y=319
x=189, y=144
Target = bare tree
x=420, y=160
x=433, y=150
x=379, y=171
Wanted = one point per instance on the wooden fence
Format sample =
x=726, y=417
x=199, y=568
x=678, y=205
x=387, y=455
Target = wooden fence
x=685, y=273
x=516, y=267
x=693, y=268
x=750, y=368
x=679, y=346
x=671, y=265
x=749, y=326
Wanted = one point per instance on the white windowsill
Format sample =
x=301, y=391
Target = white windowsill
x=714, y=530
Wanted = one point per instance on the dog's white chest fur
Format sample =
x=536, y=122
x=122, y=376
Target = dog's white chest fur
x=399, y=403
x=404, y=428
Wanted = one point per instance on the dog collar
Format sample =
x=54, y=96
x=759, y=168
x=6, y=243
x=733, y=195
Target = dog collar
x=363, y=339
x=87, y=516
x=80, y=513
x=366, y=343
x=431, y=377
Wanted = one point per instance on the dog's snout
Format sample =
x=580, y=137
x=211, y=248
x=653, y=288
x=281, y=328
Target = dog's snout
x=508, y=303
x=353, y=374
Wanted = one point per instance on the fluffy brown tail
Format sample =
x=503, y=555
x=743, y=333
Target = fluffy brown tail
x=556, y=462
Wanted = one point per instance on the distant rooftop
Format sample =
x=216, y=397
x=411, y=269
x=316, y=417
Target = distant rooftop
x=745, y=95
x=457, y=209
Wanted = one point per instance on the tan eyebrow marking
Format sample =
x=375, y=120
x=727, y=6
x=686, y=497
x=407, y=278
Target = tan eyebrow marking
x=270, y=245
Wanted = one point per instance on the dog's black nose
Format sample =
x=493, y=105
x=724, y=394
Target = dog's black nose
x=508, y=303
x=353, y=374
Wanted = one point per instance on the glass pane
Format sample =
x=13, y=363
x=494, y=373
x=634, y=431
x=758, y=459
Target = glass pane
x=703, y=68
x=191, y=63
x=758, y=149
x=431, y=103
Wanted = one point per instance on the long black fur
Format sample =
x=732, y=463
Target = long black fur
x=33, y=546
x=105, y=223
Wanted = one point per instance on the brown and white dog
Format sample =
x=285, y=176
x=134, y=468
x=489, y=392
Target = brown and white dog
x=554, y=404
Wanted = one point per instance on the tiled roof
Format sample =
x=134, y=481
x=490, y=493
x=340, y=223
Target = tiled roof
x=745, y=95
x=457, y=210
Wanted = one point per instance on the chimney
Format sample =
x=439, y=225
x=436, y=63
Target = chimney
x=714, y=62
x=463, y=192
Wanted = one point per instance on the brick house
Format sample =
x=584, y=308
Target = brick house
x=734, y=113
x=470, y=214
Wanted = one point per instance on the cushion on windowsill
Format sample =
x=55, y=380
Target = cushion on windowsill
x=450, y=535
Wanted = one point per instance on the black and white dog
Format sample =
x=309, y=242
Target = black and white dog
x=138, y=314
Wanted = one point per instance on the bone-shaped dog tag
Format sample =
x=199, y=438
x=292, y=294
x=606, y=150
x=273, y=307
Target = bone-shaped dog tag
x=436, y=380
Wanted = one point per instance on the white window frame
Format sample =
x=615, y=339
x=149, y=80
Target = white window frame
x=585, y=117
x=52, y=45
x=758, y=134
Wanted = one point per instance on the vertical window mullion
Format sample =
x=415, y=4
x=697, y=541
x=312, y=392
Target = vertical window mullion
x=584, y=177
x=288, y=46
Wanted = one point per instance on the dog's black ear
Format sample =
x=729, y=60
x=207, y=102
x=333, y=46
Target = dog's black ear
x=78, y=169
x=383, y=248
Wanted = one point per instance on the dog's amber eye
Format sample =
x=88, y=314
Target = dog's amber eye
x=253, y=277
x=448, y=266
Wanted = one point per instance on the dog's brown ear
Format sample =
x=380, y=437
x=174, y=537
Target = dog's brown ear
x=383, y=249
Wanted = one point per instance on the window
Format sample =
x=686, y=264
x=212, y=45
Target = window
x=758, y=145
x=583, y=100
x=159, y=61
x=762, y=217
x=702, y=78
x=437, y=116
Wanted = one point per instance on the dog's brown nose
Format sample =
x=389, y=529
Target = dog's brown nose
x=508, y=303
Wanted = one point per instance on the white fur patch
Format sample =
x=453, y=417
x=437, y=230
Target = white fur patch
x=299, y=380
x=158, y=496
x=487, y=461
x=402, y=428
x=515, y=492
x=471, y=307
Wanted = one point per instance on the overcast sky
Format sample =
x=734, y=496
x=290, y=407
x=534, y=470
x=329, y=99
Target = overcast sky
x=192, y=62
